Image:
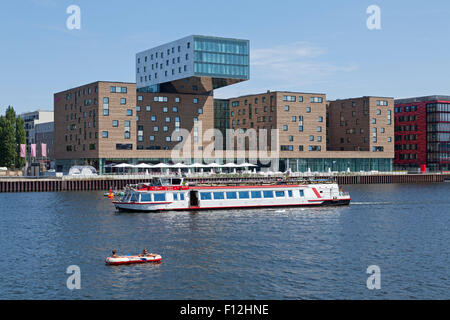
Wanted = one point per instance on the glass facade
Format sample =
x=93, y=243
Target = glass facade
x=338, y=164
x=438, y=136
x=221, y=58
x=221, y=120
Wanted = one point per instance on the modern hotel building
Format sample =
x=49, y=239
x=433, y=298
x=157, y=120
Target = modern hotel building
x=170, y=106
x=170, y=112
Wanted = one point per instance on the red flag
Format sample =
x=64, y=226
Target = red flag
x=23, y=152
x=44, y=149
x=33, y=150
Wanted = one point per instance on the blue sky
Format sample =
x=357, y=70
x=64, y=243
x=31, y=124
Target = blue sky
x=306, y=46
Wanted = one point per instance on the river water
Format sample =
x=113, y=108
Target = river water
x=310, y=253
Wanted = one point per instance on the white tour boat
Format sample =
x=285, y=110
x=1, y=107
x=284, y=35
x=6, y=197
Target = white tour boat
x=166, y=194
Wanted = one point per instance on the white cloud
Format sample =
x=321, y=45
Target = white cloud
x=292, y=65
x=298, y=66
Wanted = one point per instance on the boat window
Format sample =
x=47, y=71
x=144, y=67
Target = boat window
x=176, y=182
x=219, y=195
x=181, y=196
x=290, y=193
x=268, y=194
x=302, y=194
x=134, y=197
x=244, y=195
x=146, y=197
x=279, y=194
x=231, y=195
x=159, y=197
x=205, y=196
x=256, y=194
x=175, y=196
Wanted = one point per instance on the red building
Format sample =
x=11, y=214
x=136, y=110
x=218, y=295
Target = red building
x=422, y=133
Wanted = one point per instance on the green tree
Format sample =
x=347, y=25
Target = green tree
x=21, y=138
x=11, y=115
x=7, y=143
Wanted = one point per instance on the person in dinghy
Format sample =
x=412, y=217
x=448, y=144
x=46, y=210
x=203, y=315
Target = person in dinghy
x=146, y=254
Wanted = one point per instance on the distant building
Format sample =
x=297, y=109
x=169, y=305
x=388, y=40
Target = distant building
x=422, y=133
x=44, y=135
x=32, y=119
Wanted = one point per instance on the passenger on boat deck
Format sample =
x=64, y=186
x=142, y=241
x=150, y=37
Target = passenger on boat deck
x=114, y=254
x=144, y=253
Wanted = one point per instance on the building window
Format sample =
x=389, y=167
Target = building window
x=115, y=123
x=285, y=127
x=105, y=106
x=289, y=98
x=123, y=101
x=195, y=100
x=129, y=112
x=104, y=134
x=316, y=99
x=308, y=109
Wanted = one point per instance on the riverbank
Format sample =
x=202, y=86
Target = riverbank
x=118, y=182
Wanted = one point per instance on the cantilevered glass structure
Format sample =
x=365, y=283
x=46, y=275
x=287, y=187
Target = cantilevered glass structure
x=221, y=58
x=195, y=64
